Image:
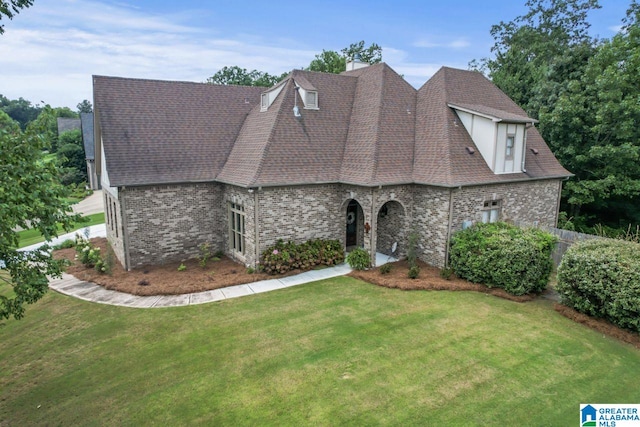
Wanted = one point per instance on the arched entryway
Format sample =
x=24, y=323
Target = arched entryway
x=354, y=219
x=391, y=229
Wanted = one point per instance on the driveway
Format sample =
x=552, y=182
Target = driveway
x=90, y=205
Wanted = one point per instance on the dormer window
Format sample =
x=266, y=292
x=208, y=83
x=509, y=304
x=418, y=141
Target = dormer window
x=311, y=99
x=511, y=140
x=267, y=98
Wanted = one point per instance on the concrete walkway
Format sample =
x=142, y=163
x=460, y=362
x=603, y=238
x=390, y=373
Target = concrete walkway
x=69, y=285
x=87, y=291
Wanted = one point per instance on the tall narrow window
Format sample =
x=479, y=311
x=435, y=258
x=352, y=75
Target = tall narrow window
x=236, y=227
x=491, y=211
x=508, y=153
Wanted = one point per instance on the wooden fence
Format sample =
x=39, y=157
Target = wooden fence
x=565, y=239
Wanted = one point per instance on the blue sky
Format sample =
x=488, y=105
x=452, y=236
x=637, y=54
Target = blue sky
x=49, y=51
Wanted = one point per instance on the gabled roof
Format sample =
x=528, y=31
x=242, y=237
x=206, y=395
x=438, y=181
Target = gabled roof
x=441, y=155
x=493, y=113
x=371, y=128
x=157, y=132
x=66, y=124
x=87, y=135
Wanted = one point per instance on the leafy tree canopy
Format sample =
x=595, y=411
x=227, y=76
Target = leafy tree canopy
x=11, y=8
x=594, y=129
x=84, y=107
x=240, y=76
x=330, y=61
x=30, y=196
x=8, y=124
x=19, y=110
x=72, y=158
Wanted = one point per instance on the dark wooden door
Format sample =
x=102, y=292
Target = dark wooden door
x=352, y=223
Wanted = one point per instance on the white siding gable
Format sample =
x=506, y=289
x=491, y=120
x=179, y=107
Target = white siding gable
x=501, y=144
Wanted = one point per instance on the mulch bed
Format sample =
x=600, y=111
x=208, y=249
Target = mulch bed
x=167, y=280
x=599, y=325
x=429, y=279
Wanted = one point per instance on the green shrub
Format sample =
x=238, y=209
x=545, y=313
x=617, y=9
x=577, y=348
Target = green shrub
x=65, y=245
x=182, y=267
x=359, y=259
x=446, y=273
x=251, y=270
x=412, y=249
x=85, y=253
x=505, y=256
x=601, y=278
x=283, y=257
x=204, y=254
x=414, y=272
x=385, y=269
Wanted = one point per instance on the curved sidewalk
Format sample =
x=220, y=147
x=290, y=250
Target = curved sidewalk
x=69, y=285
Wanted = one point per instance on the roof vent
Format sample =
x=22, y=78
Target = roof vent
x=471, y=150
x=534, y=151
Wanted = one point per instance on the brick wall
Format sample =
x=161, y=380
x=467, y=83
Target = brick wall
x=299, y=214
x=431, y=222
x=168, y=222
x=532, y=203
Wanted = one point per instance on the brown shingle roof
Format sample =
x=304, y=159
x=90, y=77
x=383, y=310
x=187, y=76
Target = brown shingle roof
x=441, y=156
x=165, y=132
x=372, y=128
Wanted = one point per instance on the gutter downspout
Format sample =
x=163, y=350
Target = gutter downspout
x=446, y=248
x=256, y=216
x=125, y=228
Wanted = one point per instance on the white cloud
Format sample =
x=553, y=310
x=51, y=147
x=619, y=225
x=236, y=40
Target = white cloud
x=616, y=28
x=458, y=43
x=52, y=54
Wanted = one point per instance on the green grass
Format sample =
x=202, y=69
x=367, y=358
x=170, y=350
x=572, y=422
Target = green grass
x=33, y=236
x=335, y=352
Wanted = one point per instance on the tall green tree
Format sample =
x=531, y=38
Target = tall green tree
x=11, y=8
x=19, y=110
x=30, y=196
x=71, y=158
x=537, y=54
x=235, y=75
x=8, y=124
x=47, y=124
x=330, y=61
x=594, y=130
x=84, y=107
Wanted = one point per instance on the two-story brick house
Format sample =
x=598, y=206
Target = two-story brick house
x=362, y=157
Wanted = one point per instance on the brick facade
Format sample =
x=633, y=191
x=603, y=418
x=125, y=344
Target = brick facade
x=167, y=223
x=530, y=203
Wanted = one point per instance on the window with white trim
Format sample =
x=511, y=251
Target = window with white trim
x=311, y=99
x=264, y=102
x=510, y=146
x=236, y=227
x=491, y=211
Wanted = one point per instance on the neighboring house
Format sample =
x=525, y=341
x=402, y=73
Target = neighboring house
x=89, y=149
x=66, y=124
x=362, y=157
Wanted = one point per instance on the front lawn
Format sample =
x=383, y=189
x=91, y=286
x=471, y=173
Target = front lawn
x=334, y=352
x=32, y=236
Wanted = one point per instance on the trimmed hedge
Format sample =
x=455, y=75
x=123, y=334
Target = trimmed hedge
x=505, y=256
x=601, y=278
x=283, y=257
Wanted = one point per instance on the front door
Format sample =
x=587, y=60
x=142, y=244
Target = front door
x=352, y=223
